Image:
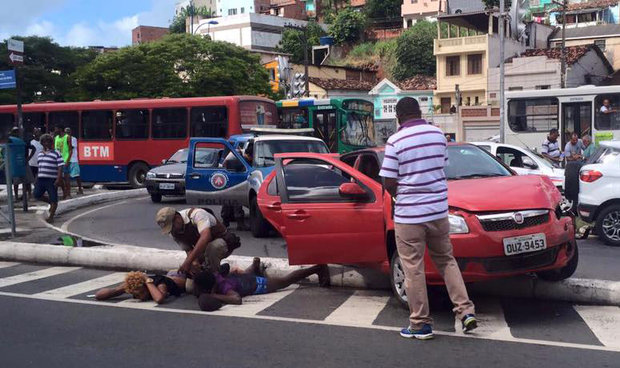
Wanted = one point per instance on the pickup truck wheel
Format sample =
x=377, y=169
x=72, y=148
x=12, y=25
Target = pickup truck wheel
x=608, y=225
x=137, y=175
x=564, y=272
x=397, y=280
x=156, y=198
x=258, y=225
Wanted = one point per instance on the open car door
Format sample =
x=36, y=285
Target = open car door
x=329, y=212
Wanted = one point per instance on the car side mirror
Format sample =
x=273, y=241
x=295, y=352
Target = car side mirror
x=529, y=163
x=352, y=191
x=164, y=161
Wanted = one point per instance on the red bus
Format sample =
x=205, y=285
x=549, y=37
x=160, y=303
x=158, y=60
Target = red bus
x=118, y=141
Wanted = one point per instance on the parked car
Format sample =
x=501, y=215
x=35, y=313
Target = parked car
x=525, y=161
x=599, y=192
x=336, y=211
x=169, y=179
x=236, y=181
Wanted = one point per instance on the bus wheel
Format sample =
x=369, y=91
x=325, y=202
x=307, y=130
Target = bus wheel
x=137, y=174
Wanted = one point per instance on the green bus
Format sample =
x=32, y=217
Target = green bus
x=344, y=124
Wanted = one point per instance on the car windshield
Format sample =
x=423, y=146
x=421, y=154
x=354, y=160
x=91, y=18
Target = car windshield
x=542, y=158
x=467, y=162
x=265, y=150
x=180, y=156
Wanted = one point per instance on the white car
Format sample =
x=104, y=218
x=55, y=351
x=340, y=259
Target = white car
x=525, y=161
x=599, y=192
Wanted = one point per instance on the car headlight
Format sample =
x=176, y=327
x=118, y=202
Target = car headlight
x=457, y=225
x=150, y=175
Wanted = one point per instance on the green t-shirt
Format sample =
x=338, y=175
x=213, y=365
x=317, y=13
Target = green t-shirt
x=589, y=151
x=62, y=146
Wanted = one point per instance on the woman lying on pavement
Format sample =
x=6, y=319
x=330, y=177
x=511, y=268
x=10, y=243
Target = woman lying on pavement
x=213, y=290
x=144, y=287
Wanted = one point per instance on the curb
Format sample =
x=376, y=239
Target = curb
x=588, y=291
x=75, y=203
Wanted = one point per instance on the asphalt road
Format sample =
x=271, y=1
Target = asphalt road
x=132, y=222
x=49, y=321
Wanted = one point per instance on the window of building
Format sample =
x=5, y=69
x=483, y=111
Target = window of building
x=232, y=11
x=453, y=65
x=209, y=121
x=474, y=64
x=64, y=119
x=600, y=44
x=468, y=101
x=546, y=86
x=477, y=100
x=515, y=88
x=169, y=123
x=97, y=125
x=242, y=10
x=132, y=124
x=533, y=114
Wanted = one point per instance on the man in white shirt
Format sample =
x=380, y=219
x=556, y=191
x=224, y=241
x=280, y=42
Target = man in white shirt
x=74, y=167
x=551, y=147
x=33, y=158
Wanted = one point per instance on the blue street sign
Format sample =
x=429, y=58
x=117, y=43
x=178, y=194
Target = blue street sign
x=7, y=79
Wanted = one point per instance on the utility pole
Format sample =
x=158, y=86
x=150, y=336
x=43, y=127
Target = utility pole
x=191, y=17
x=502, y=112
x=564, y=7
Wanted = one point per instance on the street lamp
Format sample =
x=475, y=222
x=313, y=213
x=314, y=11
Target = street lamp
x=209, y=23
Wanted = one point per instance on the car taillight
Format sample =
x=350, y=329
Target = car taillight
x=589, y=176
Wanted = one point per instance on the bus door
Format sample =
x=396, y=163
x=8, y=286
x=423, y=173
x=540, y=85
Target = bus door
x=576, y=117
x=325, y=127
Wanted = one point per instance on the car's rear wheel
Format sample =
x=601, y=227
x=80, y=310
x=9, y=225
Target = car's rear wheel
x=564, y=272
x=156, y=198
x=608, y=225
x=258, y=225
x=397, y=279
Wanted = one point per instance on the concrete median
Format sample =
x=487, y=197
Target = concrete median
x=600, y=292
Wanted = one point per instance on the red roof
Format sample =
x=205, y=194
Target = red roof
x=341, y=84
x=418, y=83
x=573, y=53
x=594, y=4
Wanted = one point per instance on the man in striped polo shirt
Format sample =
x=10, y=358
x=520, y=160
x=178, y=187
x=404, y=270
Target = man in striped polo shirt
x=413, y=169
x=50, y=175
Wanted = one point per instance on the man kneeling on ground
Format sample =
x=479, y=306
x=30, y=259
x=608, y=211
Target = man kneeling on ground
x=213, y=290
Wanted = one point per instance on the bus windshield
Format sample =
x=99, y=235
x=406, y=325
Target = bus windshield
x=358, y=130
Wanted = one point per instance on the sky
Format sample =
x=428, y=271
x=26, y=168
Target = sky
x=83, y=22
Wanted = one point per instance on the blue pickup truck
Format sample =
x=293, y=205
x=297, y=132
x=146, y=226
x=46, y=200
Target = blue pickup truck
x=236, y=178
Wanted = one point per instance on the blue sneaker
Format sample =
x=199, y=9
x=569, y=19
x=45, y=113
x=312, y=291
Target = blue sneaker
x=425, y=333
x=469, y=323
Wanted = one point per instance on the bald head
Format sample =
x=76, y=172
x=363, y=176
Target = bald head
x=407, y=108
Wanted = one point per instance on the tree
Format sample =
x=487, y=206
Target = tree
x=383, y=9
x=179, y=65
x=178, y=25
x=490, y=4
x=292, y=41
x=47, y=73
x=414, y=51
x=348, y=26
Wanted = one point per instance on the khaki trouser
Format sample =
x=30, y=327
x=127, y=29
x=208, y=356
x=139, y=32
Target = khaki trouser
x=215, y=252
x=411, y=241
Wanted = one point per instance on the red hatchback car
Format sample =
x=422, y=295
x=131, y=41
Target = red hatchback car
x=332, y=210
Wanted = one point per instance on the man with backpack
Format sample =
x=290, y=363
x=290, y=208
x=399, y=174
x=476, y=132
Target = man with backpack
x=200, y=234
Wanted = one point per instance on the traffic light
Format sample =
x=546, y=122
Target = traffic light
x=298, y=85
x=519, y=11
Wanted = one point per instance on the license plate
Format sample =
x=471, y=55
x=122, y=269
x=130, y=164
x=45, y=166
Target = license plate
x=166, y=186
x=524, y=244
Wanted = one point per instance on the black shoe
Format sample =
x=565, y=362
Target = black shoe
x=469, y=323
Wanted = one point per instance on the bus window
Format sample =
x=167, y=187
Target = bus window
x=533, y=115
x=358, y=130
x=64, y=119
x=33, y=120
x=132, y=124
x=607, y=116
x=255, y=113
x=97, y=125
x=169, y=124
x=296, y=118
x=7, y=121
x=209, y=122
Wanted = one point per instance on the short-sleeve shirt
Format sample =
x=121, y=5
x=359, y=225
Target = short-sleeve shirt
x=200, y=218
x=38, y=148
x=74, y=152
x=604, y=109
x=551, y=148
x=589, y=151
x=49, y=162
x=416, y=156
x=573, y=149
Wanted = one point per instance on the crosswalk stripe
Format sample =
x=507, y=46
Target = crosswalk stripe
x=360, y=309
x=603, y=321
x=8, y=264
x=36, y=275
x=254, y=304
x=491, y=319
x=82, y=287
x=138, y=304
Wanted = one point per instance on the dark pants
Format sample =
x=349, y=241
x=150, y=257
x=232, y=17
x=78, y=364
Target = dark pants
x=43, y=185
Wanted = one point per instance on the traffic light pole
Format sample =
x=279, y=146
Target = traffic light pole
x=304, y=41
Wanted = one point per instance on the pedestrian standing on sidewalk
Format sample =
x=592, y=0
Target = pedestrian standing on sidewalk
x=50, y=175
x=33, y=158
x=61, y=144
x=74, y=167
x=413, y=169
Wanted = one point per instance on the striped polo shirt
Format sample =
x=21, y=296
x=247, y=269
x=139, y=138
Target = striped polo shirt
x=49, y=162
x=416, y=156
x=551, y=148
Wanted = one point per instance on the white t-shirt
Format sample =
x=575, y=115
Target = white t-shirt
x=604, y=109
x=74, y=153
x=34, y=161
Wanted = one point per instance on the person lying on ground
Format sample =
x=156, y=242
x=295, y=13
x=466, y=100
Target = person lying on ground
x=214, y=289
x=144, y=287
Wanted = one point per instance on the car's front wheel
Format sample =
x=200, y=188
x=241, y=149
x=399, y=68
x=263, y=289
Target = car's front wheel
x=397, y=279
x=156, y=198
x=564, y=272
x=608, y=225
